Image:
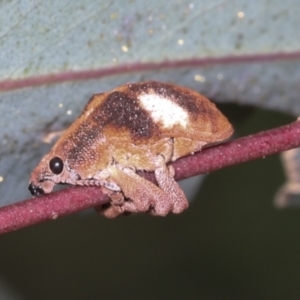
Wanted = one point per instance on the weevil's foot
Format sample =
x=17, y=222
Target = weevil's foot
x=165, y=178
x=114, y=208
x=109, y=210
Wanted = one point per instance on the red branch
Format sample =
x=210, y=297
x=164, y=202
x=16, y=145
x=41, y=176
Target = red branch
x=70, y=200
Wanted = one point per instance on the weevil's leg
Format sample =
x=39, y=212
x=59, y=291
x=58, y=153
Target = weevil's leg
x=144, y=196
x=166, y=181
x=114, y=208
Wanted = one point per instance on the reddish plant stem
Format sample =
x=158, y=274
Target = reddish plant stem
x=70, y=200
x=49, y=207
x=240, y=150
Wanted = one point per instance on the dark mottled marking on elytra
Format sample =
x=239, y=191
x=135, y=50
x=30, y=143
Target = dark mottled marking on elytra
x=182, y=96
x=80, y=142
x=122, y=110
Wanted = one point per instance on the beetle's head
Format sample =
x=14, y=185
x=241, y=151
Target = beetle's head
x=51, y=170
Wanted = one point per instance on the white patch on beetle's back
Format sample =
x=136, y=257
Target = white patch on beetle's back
x=164, y=110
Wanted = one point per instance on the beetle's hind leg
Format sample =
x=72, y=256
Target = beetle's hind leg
x=165, y=178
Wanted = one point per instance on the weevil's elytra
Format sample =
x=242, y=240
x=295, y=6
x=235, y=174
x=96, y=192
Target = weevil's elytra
x=140, y=126
x=183, y=97
x=123, y=110
x=164, y=111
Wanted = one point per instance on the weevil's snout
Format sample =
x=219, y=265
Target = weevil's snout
x=43, y=179
x=35, y=190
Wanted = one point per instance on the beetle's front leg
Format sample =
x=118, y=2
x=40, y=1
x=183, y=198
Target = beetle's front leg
x=142, y=195
x=114, y=208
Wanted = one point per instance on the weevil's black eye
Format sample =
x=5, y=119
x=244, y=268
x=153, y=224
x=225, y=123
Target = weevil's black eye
x=56, y=165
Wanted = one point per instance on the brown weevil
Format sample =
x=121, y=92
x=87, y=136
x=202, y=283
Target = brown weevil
x=138, y=126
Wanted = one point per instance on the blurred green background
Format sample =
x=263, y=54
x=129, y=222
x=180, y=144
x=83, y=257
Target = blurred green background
x=230, y=244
